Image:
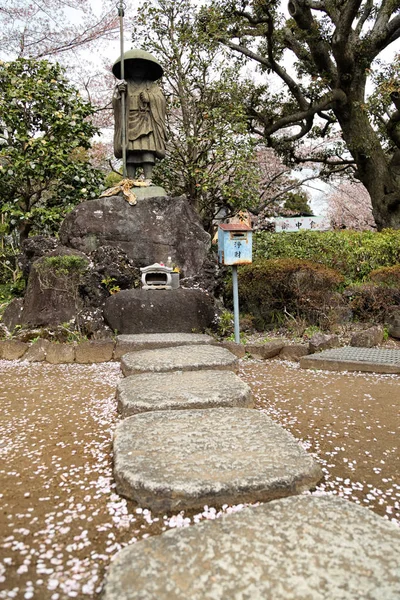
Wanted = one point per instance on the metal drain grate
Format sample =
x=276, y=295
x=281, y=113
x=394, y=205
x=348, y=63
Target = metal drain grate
x=381, y=356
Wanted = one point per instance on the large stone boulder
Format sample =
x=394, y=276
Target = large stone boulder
x=34, y=248
x=51, y=295
x=368, y=338
x=393, y=322
x=149, y=232
x=110, y=270
x=159, y=311
x=323, y=341
x=12, y=315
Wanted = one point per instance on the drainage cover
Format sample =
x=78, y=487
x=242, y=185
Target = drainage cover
x=378, y=360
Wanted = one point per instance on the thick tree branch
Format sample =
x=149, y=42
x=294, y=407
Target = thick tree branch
x=385, y=31
x=365, y=14
x=393, y=125
x=250, y=18
x=246, y=52
x=347, y=17
x=306, y=115
x=318, y=48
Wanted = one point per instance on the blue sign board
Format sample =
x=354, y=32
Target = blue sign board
x=235, y=244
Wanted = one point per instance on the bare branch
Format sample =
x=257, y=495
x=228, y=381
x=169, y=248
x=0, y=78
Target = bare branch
x=274, y=66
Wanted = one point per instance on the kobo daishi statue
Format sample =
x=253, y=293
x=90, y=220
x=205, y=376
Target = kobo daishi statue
x=144, y=112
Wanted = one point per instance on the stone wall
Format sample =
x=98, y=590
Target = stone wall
x=98, y=351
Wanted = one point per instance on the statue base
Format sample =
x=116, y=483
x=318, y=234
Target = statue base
x=152, y=191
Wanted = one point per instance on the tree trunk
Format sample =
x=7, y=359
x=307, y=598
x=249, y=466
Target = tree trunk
x=379, y=174
x=24, y=230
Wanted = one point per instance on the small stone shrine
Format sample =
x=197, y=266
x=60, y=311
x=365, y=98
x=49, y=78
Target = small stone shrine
x=156, y=277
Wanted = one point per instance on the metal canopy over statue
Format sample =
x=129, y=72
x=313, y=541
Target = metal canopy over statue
x=144, y=117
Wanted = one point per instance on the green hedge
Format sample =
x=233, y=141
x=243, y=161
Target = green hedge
x=354, y=254
x=274, y=290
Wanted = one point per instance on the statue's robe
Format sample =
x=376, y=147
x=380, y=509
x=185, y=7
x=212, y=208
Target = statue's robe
x=145, y=120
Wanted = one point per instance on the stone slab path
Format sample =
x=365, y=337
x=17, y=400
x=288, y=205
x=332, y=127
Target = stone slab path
x=299, y=548
x=152, y=341
x=174, y=460
x=180, y=358
x=182, y=390
x=372, y=360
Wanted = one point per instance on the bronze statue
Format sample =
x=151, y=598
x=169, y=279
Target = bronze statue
x=144, y=112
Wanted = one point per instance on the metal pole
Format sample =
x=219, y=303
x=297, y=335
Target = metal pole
x=235, y=303
x=121, y=12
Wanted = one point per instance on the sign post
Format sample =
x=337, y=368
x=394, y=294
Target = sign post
x=235, y=248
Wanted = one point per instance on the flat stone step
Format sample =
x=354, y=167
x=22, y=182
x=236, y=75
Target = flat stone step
x=180, y=358
x=349, y=358
x=182, y=390
x=152, y=341
x=302, y=548
x=174, y=460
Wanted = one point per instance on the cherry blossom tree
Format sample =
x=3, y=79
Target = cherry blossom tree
x=349, y=207
x=49, y=28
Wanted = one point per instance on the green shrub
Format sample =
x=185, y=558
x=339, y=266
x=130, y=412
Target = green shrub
x=274, y=290
x=68, y=264
x=353, y=253
x=387, y=276
x=372, y=302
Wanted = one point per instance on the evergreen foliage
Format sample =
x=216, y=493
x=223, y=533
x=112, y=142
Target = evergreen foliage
x=45, y=133
x=353, y=253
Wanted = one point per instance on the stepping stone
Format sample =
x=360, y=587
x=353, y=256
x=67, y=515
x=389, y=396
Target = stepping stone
x=181, y=358
x=181, y=390
x=174, y=460
x=372, y=360
x=151, y=341
x=300, y=548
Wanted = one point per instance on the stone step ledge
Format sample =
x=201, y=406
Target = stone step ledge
x=96, y=351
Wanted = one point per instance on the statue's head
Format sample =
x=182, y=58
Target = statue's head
x=138, y=64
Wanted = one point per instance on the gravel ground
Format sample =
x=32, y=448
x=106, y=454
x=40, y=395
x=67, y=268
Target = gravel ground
x=61, y=521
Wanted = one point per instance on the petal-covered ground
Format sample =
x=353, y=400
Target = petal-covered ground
x=351, y=421
x=61, y=521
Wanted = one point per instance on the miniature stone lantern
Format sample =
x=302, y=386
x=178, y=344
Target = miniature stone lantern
x=156, y=277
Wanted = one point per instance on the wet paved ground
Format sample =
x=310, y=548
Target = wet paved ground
x=61, y=521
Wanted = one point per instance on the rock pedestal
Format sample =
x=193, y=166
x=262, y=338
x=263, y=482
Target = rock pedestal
x=52, y=302
x=149, y=232
x=159, y=311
